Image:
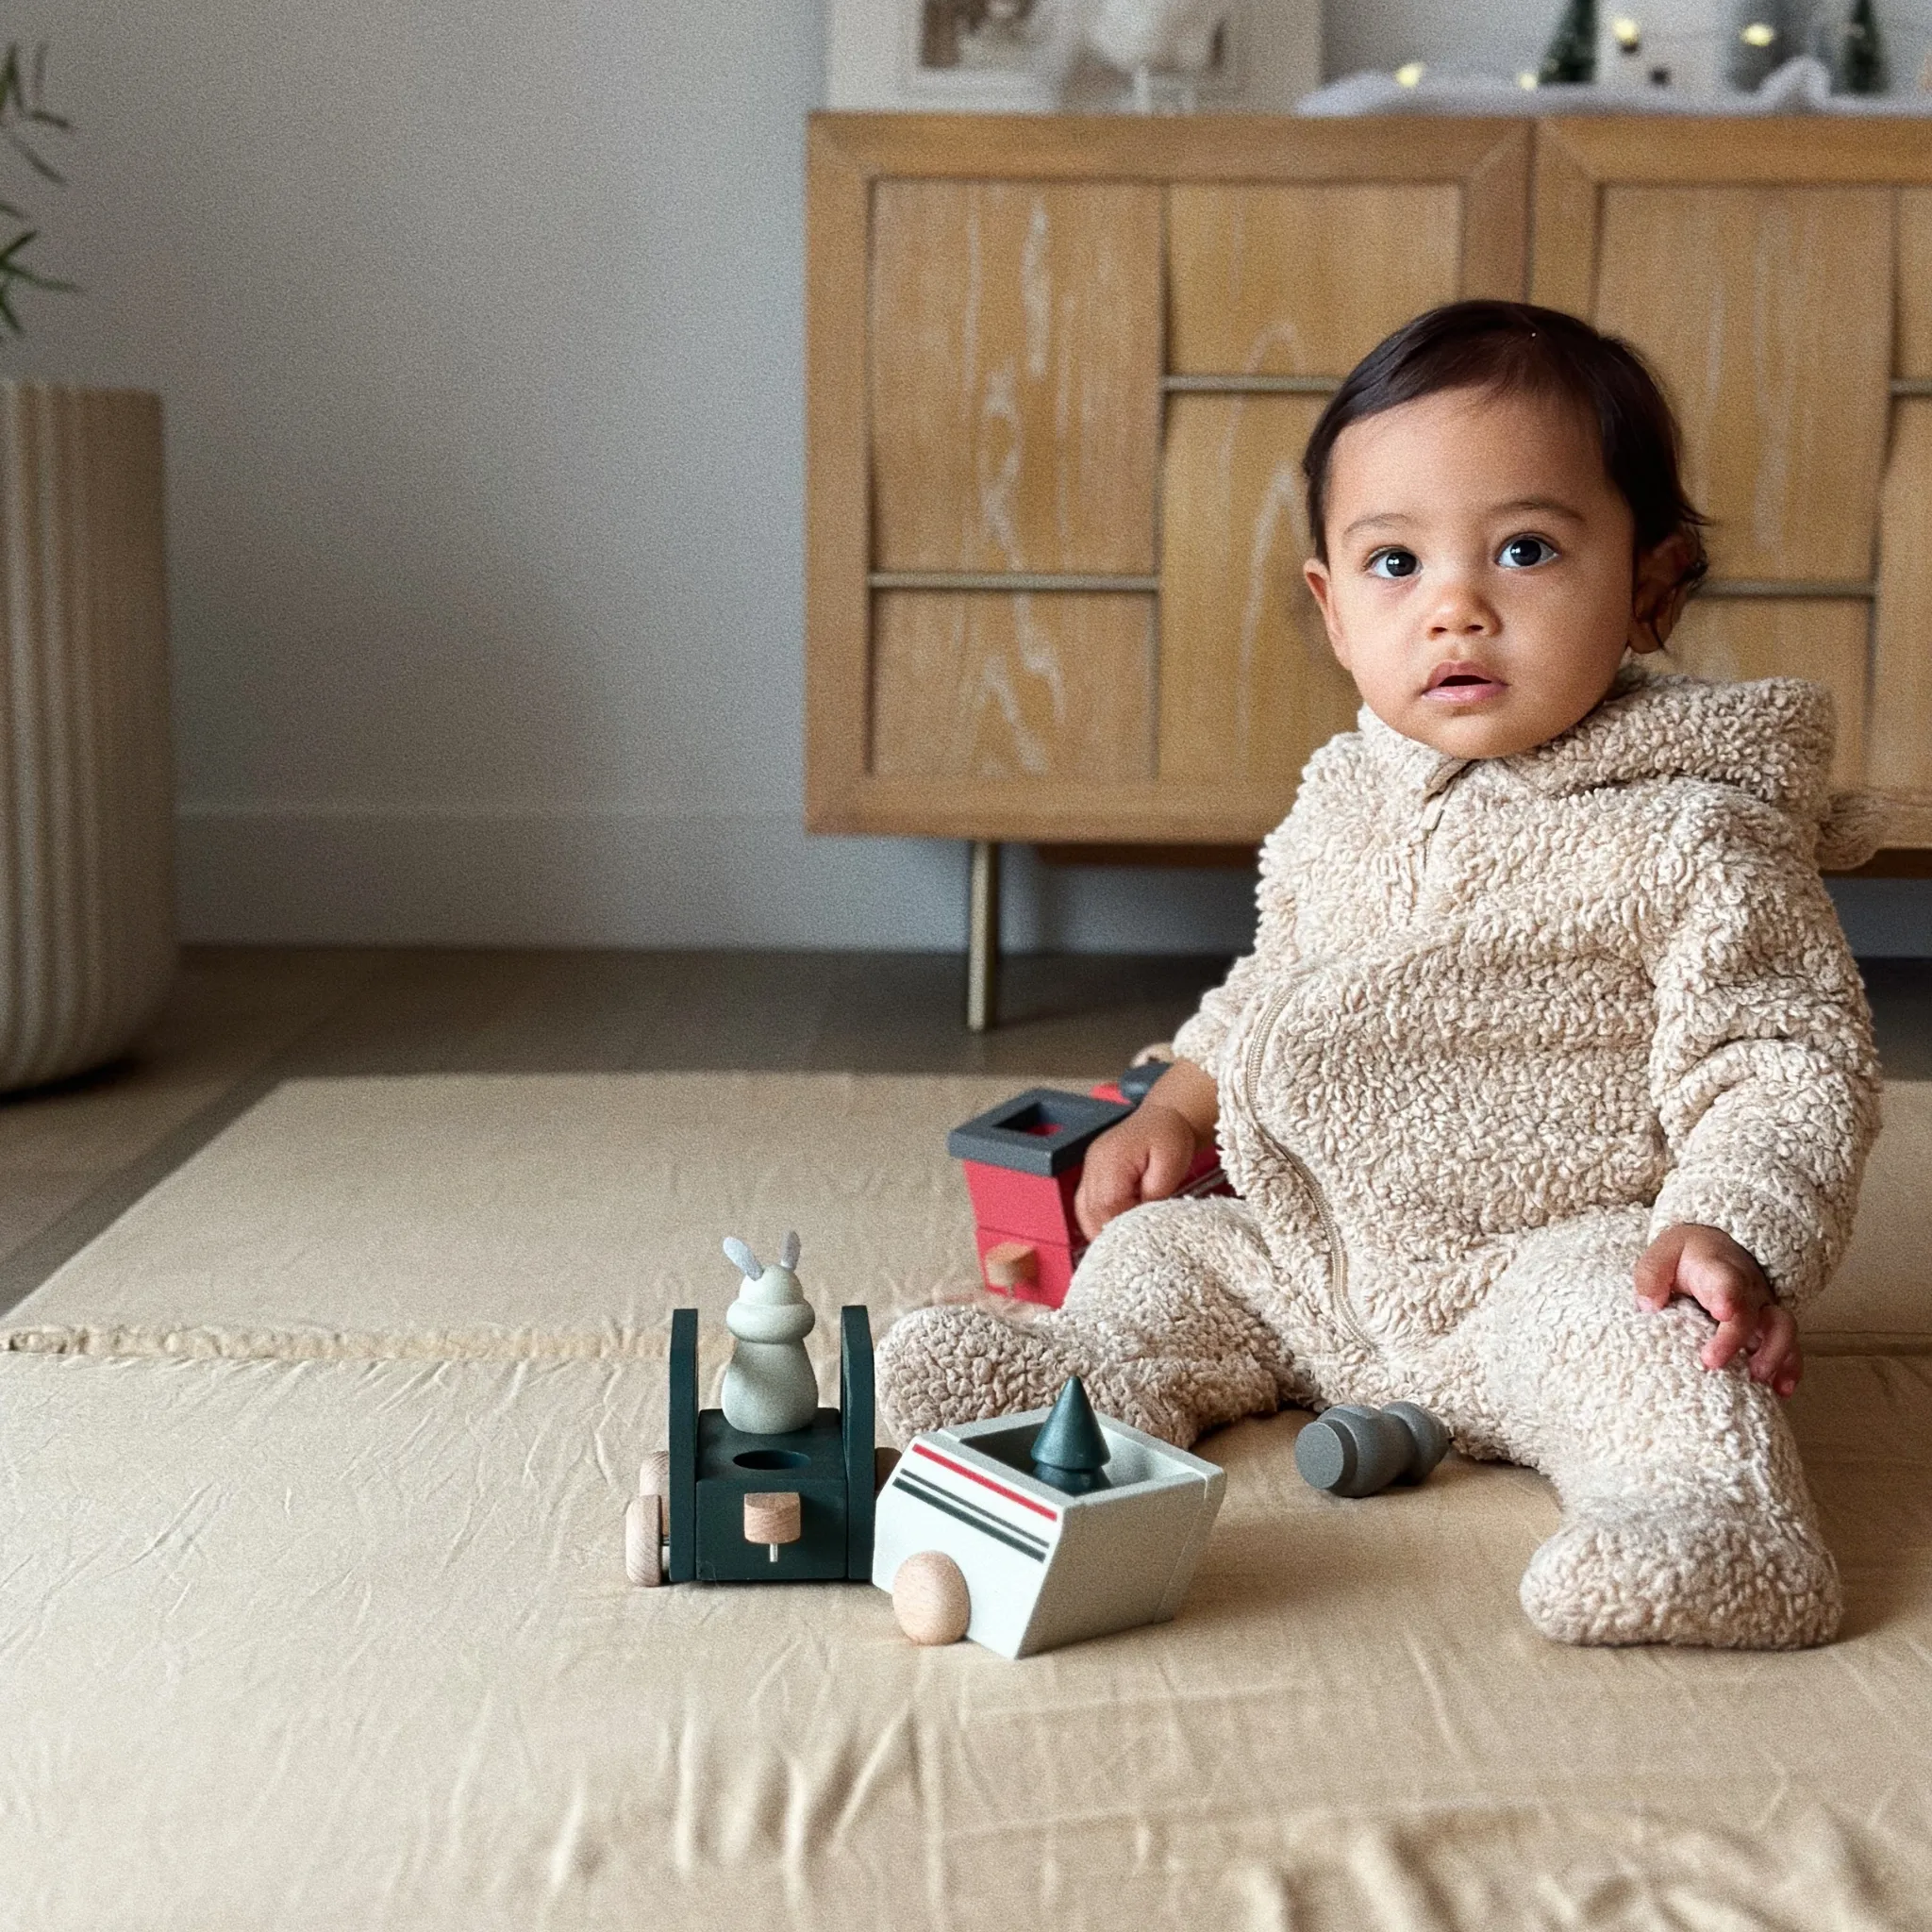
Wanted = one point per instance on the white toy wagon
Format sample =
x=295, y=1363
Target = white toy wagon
x=1030, y=1531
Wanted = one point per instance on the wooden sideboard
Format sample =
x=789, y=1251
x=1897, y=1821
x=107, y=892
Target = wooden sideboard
x=1060, y=371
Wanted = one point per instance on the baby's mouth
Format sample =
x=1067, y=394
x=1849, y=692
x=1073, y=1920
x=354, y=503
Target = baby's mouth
x=1462, y=684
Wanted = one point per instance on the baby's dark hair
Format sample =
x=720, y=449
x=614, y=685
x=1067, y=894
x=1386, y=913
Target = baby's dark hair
x=1515, y=348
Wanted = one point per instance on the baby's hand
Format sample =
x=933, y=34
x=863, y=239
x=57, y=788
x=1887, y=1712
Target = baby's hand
x=1706, y=1266
x=1144, y=1159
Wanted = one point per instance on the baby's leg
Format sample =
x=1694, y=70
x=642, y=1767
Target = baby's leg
x=1685, y=1518
x=1159, y=1323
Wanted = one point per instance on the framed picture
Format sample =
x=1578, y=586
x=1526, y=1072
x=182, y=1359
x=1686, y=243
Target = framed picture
x=985, y=56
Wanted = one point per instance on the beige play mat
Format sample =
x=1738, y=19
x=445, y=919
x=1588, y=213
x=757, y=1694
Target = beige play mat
x=332, y=1630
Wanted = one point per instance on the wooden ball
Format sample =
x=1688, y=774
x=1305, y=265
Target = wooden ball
x=654, y=1473
x=930, y=1598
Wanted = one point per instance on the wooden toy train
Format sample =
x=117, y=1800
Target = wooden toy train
x=1024, y=1532
x=1040, y=1529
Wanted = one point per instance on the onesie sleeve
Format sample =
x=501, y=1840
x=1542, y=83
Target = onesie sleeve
x=1202, y=1038
x=1762, y=1070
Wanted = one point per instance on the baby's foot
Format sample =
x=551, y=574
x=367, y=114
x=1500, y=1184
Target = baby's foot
x=935, y=1367
x=1630, y=1573
x=938, y=1367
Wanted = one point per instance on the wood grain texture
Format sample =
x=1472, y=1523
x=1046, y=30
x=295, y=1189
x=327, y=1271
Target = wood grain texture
x=1563, y=230
x=1915, y=282
x=1495, y=220
x=1826, y=641
x=1901, y=752
x=1248, y=685
x=1193, y=147
x=1016, y=368
x=1769, y=314
x=1817, y=496
x=1168, y=813
x=1768, y=151
x=1304, y=281
x=979, y=686
x=837, y=530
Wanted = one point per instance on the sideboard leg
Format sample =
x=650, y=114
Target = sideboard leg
x=983, y=938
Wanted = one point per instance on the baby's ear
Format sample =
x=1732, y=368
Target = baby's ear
x=1316, y=574
x=1666, y=575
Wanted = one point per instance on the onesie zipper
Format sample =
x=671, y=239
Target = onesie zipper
x=1433, y=802
x=1262, y=1032
x=1331, y=1234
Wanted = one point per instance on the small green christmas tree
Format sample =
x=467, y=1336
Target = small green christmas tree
x=1571, y=53
x=1860, y=53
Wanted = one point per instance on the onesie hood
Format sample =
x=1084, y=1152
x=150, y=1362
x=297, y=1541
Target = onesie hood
x=1772, y=738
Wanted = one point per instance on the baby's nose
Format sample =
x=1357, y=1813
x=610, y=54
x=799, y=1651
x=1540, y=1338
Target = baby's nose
x=1460, y=613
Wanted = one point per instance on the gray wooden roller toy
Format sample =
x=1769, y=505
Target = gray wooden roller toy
x=1355, y=1452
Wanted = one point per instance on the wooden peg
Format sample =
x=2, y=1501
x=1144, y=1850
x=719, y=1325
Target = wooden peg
x=1010, y=1265
x=771, y=1516
x=654, y=1473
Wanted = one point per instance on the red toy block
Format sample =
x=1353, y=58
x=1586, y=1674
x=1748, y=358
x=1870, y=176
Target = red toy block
x=1023, y=1160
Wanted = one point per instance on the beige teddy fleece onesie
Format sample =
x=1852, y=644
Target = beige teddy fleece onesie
x=1505, y=1021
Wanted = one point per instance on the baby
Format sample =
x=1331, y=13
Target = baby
x=1547, y=1086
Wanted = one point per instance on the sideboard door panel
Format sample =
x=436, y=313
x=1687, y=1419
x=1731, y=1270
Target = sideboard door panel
x=1304, y=281
x=1901, y=759
x=1769, y=314
x=1014, y=686
x=1016, y=350
x=1248, y=685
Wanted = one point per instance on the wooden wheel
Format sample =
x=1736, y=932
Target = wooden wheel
x=643, y=1545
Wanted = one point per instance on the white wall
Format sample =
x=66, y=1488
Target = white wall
x=479, y=332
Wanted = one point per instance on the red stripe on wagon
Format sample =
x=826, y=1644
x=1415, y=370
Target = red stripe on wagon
x=985, y=1482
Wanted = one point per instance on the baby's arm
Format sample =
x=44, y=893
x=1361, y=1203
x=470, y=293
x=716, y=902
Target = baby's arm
x=1148, y=1155
x=1764, y=1079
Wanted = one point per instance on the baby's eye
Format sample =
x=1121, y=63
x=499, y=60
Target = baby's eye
x=1524, y=552
x=1394, y=563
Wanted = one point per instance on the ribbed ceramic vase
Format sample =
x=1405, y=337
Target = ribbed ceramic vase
x=87, y=924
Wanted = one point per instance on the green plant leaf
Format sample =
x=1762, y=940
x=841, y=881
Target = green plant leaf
x=45, y=168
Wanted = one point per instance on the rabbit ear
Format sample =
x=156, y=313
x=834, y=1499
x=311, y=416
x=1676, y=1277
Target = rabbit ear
x=788, y=1255
x=742, y=1258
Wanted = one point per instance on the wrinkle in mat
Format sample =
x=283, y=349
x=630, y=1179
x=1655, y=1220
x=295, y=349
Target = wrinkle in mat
x=323, y=1644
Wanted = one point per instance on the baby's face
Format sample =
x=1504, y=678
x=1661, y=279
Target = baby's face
x=1480, y=585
